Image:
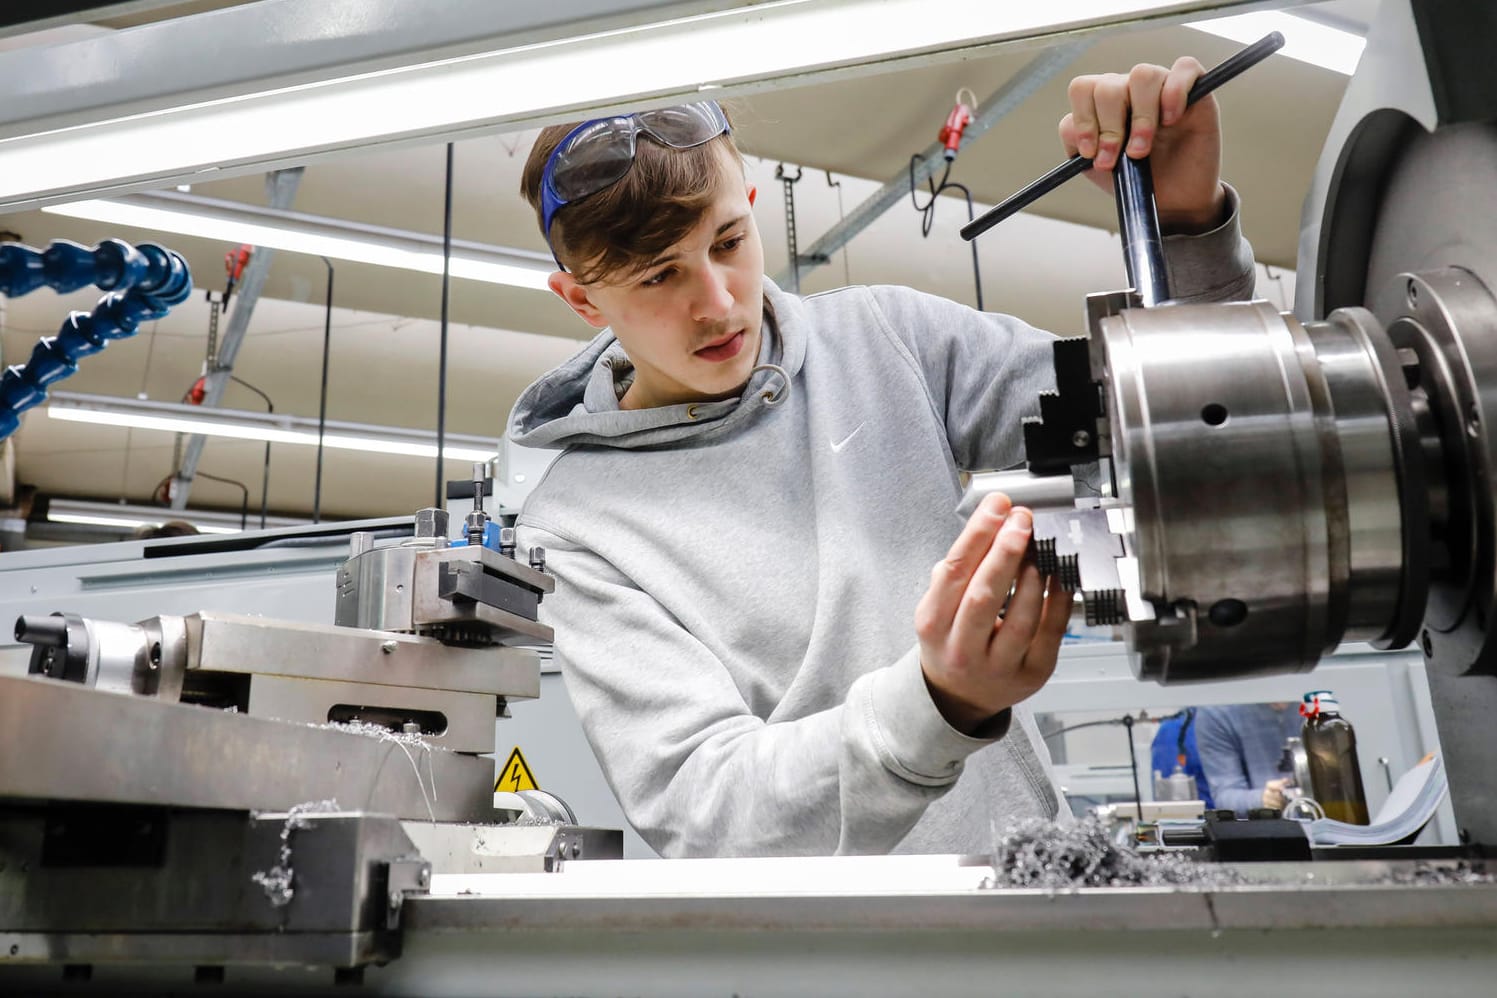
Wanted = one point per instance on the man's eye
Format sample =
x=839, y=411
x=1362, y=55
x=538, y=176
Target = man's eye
x=655, y=280
x=729, y=245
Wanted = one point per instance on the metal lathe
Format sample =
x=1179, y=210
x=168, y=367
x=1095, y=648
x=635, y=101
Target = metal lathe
x=228, y=801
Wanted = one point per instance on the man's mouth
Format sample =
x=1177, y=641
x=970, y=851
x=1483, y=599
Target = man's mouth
x=723, y=348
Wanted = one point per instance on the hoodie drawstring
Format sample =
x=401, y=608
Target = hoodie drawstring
x=774, y=396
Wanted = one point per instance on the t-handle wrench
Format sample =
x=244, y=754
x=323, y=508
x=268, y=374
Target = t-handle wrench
x=1133, y=184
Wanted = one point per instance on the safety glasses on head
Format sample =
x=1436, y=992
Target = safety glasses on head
x=598, y=154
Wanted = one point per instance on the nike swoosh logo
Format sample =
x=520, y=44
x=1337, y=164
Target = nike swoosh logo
x=837, y=447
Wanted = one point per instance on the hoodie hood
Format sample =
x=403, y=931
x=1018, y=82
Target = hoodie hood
x=577, y=403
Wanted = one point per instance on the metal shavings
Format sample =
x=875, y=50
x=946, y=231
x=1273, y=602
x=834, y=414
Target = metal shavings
x=406, y=742
x=276, y=881
x=1422, y=874
x=532, y=821
x=1043, y=854
x=378, y=731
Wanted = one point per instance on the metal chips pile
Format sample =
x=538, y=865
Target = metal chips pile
x=1421, y=874
x=1043, y=854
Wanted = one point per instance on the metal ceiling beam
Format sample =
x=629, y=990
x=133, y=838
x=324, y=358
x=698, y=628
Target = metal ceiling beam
x=279, y=83
x=278, y=43
x=22, y=18
x=1014, y=92
x=281, y=187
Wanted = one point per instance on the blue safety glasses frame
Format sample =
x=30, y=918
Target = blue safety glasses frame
x=599, y=153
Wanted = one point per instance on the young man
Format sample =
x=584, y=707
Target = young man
x=755, y=486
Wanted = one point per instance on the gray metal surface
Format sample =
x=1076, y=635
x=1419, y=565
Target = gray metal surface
x=1138, y=226
x=1038, y=492
x=1446, y=324
x=399, y=589
x=456, y=722
x=1303, y=907
x=516, y=848
x=1203, y=440
x=1393, y=192
x=305, y=673
x=203, y=877
x=211, y=888
x=907, y=959
x=1217, y=413
x=694, y=958
x=222, y=642
x=376, y=589
x=1448, y=321
x=100, y=747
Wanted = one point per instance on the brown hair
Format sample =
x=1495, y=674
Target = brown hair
x=171, y=528
x=618, y=231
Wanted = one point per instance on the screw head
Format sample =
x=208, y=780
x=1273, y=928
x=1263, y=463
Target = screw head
x=431, y=523
x=1080, y=439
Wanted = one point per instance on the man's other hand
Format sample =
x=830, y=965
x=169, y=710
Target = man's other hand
x=976, y=662
x=1147, y=105
x=1273, y=794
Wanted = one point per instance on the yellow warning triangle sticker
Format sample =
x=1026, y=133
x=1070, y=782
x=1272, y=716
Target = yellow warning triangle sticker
x=516, y=774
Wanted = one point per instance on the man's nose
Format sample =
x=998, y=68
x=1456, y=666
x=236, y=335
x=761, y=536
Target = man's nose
x=713, y=300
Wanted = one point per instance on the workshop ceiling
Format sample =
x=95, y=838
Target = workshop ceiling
x=385, y=339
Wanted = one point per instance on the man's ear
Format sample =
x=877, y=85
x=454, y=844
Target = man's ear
x=753, y=192
x=576, y=297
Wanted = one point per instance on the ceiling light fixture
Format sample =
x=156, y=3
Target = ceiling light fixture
x=1306, y=40
x=287, y=121
x=173, y=417
x=105, y=514
x=133, y=522
x=296, y=232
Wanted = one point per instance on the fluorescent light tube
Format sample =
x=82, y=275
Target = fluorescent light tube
x=722, y=53
x=171, y=417
x=1304, y=39
x=109, y=514
x=294, y=232
x=90, y=519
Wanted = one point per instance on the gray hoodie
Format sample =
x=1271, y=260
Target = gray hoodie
x=736, y=580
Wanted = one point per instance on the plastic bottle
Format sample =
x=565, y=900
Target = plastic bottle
x=1331, y=745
